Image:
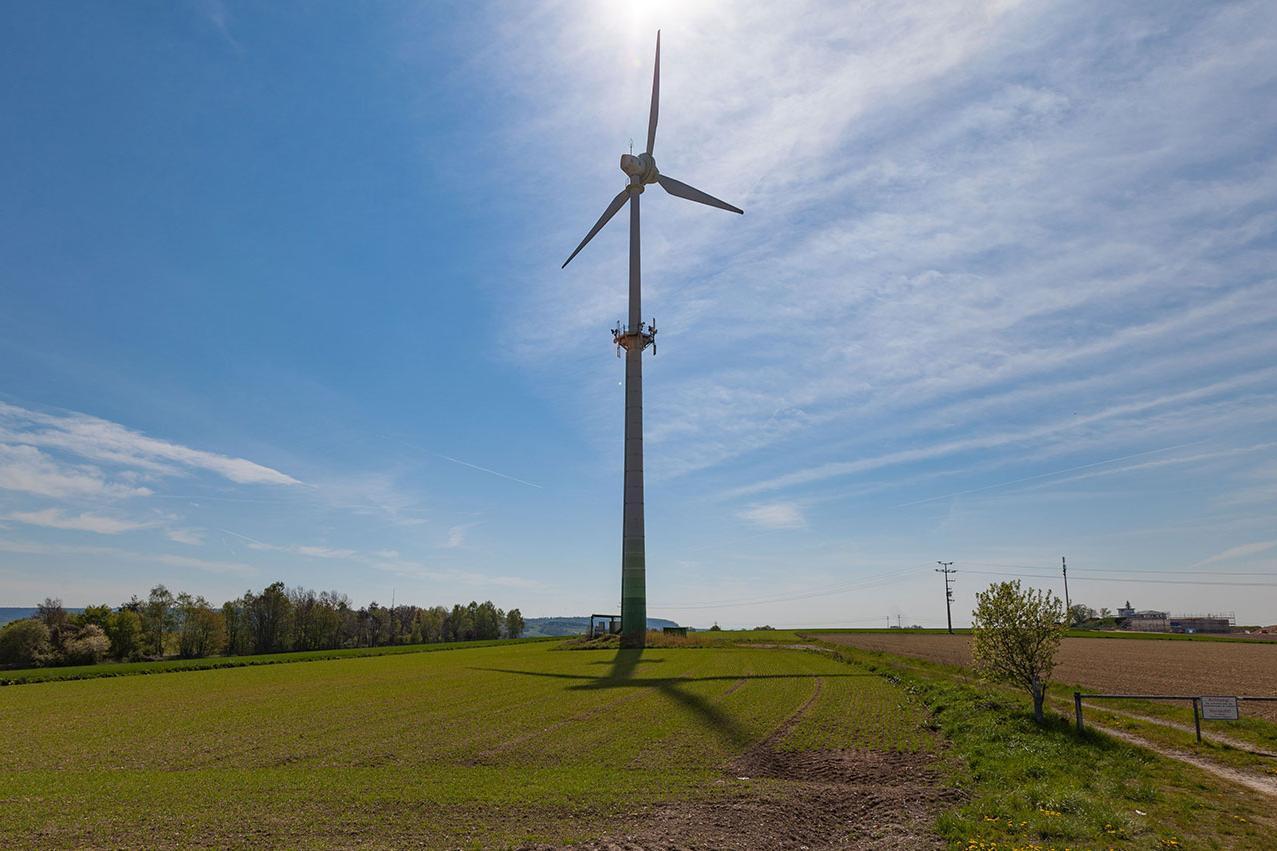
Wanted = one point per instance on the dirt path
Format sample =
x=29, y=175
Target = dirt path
x=1218, y=738
x=1257, y=782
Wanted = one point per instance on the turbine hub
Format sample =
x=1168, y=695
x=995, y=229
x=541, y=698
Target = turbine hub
x=641, y=167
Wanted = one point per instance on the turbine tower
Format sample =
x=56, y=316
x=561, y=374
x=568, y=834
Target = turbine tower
x=634, y=338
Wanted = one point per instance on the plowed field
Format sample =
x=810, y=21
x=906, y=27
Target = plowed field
x=1115, y=665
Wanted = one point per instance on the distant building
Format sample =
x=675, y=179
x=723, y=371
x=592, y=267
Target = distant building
x=1151, y=620
x=1144, y=620
x=1202, y=623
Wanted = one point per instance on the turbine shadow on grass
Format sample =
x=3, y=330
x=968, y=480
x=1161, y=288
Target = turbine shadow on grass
x=621, y=675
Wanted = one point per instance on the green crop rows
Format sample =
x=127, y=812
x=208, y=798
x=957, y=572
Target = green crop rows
x=482, y=746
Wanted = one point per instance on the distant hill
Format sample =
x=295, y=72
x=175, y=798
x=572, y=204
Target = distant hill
x=17, y=613
x=538, y=627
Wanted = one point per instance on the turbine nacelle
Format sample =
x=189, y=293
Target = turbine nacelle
x=641, y=168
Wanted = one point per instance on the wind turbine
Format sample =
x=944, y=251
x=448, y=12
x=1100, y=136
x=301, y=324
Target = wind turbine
x=634, y=338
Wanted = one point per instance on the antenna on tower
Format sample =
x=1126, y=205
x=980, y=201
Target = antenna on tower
x=641, y=171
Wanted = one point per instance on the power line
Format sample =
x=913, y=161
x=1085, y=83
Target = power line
x=1189, y=572
x=1120, y=579
x=862, y=584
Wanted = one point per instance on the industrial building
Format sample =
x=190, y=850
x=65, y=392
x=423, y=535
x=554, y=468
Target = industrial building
x=1151, y=620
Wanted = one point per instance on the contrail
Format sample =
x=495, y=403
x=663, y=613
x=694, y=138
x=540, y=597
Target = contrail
x=485, y=470
x=246, y=538
x=1047, y=475
x=458, y=461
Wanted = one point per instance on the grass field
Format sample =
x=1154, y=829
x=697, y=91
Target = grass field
x=512, y=745
x=478, y=747
x=22, y=676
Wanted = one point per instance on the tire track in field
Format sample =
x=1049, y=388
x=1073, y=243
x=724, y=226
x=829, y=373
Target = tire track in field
x=794, y=717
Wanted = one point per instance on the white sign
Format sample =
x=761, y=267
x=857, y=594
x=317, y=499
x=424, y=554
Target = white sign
x=1219, y=708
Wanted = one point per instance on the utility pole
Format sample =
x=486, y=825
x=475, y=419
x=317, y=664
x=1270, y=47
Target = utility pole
x=946, y=567
x=1064, y=566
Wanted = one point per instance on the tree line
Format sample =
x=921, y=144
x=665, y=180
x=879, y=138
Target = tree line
x=276, y=620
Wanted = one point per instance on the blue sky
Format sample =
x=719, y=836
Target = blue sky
x=282, y=300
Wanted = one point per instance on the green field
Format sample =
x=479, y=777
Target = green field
x=732, y=745
x=20, y=676
x=482, y=746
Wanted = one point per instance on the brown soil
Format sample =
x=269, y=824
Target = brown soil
x=853, y=799
x=1120, y=665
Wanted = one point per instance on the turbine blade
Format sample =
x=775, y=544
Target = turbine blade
x=682, y=190
x=656, y=97
x=616, y=204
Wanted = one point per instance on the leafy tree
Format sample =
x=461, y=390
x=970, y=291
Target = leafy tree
x=1015, y=633
x=1105, y=614
x=202, y=631
x=158, y=620
x=125, y=631
x=434, y=622
x=25, y=643
x=460, y=624
x=100, y=615
x=270, y=615
x=514, y=625
x=1080, y=613
x=51, y=614
x=487, y=621
x=239, y=631
x=87, y=646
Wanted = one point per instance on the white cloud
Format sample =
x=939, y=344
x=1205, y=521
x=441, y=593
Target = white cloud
x=27, y=469
x=309, y=550
x=963, y=222
x=1240, y=551
x=417, y=570
x=123, y=557
x=191, y=537
x=775, y=515
x=457, y=535
x=55, y=518
x=106, y=442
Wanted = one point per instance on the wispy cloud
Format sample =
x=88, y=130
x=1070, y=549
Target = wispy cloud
x=775, y=515
x=116, y=557
x=27, y=469
x=190, y=537
x=55, y=518
x=105, y=442
x=960, y=248
x=1240, y=551
x=308, y=550
x=457, y=535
